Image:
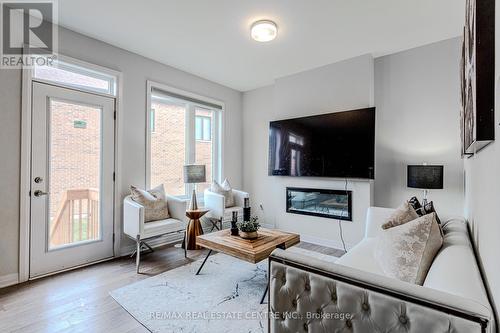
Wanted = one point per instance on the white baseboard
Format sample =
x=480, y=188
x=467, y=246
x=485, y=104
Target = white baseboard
x=324, y=242
x=9, y=280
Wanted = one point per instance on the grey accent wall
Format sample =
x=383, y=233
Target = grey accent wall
x=136, y=70
x=336, y=87
x=417, y=95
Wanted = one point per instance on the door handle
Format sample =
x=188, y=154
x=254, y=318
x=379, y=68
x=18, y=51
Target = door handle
x=39, y=193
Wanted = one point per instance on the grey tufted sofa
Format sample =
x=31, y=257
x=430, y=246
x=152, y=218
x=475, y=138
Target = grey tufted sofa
x=354, y=295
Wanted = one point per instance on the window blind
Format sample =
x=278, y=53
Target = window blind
x=167, y=94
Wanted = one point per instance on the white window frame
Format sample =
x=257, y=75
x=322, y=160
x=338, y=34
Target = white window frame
x=217, y=133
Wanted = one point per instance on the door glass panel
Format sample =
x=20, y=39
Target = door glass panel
x=168, y=145
x=74, y=173
x=204, y=146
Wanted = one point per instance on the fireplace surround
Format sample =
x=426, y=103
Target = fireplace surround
x=333, y=204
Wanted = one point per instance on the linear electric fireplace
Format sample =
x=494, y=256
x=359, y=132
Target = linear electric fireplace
x=333, y=204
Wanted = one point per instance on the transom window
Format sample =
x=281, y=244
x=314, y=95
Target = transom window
x=76, y=76
x=182, y=130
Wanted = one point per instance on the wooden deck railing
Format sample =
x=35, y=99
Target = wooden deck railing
x=77, y=218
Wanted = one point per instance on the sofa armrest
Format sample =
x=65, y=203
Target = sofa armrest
x=133, y=217
x=215, y=202
x=375, y=217
x=377, y=303
x=177, y=208
x=239, y=198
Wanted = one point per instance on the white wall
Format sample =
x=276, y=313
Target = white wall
x=483, y=193
x=336, y=87
x=136, y=70
x=417, y=95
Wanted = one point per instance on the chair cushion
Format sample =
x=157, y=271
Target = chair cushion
x=160, y=227
x=154, y=202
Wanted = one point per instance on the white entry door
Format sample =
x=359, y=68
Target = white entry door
x=72, y=166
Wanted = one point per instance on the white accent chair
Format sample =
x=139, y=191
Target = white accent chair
x=217, y=205
x=135, y=227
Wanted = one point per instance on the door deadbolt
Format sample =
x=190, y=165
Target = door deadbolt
x=38, y=180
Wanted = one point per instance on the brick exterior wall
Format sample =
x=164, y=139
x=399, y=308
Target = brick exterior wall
x=74, y=152
x=168, y=148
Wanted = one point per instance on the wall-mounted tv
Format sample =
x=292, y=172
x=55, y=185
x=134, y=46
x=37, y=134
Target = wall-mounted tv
x=339, y=145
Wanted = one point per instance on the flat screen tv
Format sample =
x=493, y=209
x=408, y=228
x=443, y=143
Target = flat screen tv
x=339, y=145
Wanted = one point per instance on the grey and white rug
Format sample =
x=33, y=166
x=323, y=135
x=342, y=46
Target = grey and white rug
x=226, y=291
x=225, y=297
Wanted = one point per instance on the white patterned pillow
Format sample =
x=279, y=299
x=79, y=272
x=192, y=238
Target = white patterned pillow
x=225, y=190
x=154, y=202
x=406, y=252
x=403, y=214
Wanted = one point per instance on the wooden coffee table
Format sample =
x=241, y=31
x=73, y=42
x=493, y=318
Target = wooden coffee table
x=250, y=250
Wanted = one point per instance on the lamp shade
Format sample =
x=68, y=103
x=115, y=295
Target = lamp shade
x=194, y=173
x=428, y=177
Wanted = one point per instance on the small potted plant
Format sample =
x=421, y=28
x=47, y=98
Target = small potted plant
x=248, y=229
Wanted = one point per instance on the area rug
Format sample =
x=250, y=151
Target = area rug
x=225, y=297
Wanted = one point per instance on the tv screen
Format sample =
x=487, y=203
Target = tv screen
x=340, y=145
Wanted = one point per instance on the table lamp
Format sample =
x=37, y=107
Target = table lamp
x=194, y=174
x=425, y=177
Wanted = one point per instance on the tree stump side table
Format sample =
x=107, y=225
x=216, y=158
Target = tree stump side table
x=194, y=228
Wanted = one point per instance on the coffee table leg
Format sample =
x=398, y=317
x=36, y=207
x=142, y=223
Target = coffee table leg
x=264, y=295
x=204, y=261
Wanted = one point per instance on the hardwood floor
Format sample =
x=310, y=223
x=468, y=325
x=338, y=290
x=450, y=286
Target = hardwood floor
x=79, y=301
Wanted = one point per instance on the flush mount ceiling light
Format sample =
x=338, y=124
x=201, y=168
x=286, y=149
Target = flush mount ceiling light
x=264, y=31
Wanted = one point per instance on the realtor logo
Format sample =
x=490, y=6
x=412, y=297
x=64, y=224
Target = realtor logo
x=29, y=33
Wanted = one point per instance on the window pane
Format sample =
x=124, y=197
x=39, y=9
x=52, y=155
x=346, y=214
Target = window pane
x=152, y=117
x=168, y=146
x=74, y=181
x=207, y=129
x=204, y=149
x=75, y=76
x=199, y=128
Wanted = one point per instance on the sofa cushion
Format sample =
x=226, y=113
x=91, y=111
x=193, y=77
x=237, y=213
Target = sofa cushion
x=406, y=252
x=403, y=214
x=154, y=202
x=375, y=217
x=454, y=269
x=361, y=257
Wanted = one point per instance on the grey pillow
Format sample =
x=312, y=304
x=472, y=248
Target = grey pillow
x=406, y=252
x=403, y=214
x=154, y=202
x=225, y=190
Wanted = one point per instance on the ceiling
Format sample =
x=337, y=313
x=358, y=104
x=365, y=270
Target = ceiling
x=211, y=38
